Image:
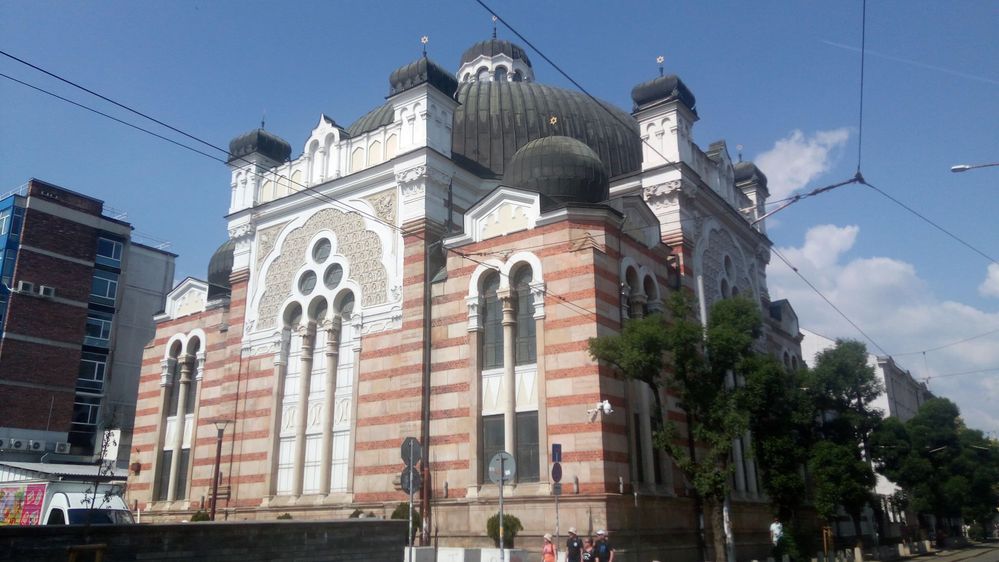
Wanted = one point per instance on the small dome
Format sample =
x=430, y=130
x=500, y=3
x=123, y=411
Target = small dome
x=663, y=88
x=219, y=270
x=421, y=71
x=747, y=171
x=561, y=168
x=493, y=47
x=259, y=140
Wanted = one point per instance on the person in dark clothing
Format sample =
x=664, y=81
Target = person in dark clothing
x=573, y=547
x=603, y=551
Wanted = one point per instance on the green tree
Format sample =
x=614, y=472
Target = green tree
x=697, y=364
x=843, y=387
x=946, y=469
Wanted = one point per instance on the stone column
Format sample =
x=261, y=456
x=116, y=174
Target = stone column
x=509, y=375
x=645, y=426
x=302, y=417
x=277, y=399
x=329, y=395
x=637, y=305
x=178, y=434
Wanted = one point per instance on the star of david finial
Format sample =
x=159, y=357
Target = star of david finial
x=660, y=59
x=494, y=26
x=553, y=120
x=424, y=40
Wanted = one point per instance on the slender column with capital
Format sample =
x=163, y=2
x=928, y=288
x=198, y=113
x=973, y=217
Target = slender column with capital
x=645, y=432
x=329, y=392
x=637, y=305
x=277, y=398
x=302, y=417
x=509, y=375
x=178, y=434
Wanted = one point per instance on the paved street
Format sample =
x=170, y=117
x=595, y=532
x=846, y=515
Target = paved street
x=988, y=552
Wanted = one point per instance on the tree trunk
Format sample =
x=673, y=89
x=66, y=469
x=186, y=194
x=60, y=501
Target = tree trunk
x=717, y=530
x=856, y=530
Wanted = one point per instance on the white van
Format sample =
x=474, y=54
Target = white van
x=26, y=498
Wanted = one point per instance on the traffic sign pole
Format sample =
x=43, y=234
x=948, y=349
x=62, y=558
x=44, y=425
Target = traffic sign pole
x=502, y=544
x=410, y=537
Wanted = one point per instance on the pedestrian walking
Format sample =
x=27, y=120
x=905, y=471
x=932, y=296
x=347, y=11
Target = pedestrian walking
x=548, y=550
x=588, y=551
x=573, y=547
x=603, y=551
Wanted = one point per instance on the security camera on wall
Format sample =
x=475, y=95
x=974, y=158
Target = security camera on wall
x=603, y=407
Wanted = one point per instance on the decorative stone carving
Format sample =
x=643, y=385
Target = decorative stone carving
x=265, y=242
x=538, y=299
x=240, y=231
x=199, y=365
x=721, y=244
x=662, y=195
x=385, y=205
x=473, y=304
x=266, y=348
x=167, y=367
x=361, y=247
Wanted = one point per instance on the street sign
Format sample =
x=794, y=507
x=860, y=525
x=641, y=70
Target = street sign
x=411, y=451
x=557, y=489
x=557, y=472
x=556, y=452
x=410, y=480
x=509, y=467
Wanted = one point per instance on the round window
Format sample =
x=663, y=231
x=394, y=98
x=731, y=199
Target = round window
x=307, y=282
x=321, y=251
x=333, y=276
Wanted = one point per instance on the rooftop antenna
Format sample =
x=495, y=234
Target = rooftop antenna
x=660, y=60
x=494, y=27
x=738, y=147
x=424, y=40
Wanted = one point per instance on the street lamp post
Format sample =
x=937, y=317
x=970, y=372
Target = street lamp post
x=966, y=167
x=220, y=426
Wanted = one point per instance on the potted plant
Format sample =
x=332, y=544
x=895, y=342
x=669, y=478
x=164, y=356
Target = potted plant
x=511, y=526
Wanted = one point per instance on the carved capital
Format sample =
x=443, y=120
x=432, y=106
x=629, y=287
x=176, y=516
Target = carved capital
x=474, y=320
x=538, y=299
x=662, y=195
x=241, y=231
x=167, y=367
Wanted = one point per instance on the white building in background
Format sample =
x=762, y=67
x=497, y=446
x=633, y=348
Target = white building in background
x=901, y=399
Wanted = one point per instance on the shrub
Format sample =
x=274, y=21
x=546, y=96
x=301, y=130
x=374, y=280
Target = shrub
x=401, y=511
x=355, y=514
x=284, y=516
x=511, y=526
x=201, y=516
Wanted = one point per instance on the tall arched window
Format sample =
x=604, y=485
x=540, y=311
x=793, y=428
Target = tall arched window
x=525, y=349
x=492, y=323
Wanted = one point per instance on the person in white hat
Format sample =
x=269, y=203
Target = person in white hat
x=573, y=547
x=548, y=551
x=603, y=551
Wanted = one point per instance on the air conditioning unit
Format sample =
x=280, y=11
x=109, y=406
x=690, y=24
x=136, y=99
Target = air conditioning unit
x=62, y=448
x=46, y=291
x=36, y=446
x=25, y=287
x=18, y=444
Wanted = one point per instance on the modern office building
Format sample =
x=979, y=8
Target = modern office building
x=435, y=270
x=76, y=304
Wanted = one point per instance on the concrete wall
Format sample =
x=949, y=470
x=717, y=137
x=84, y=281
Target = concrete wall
x=242, y=541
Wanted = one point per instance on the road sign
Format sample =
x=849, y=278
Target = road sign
x=556, y=452
x=557, y=472
x=410, y=480
x=509, y=467
x=411, y=451
x=557, y=489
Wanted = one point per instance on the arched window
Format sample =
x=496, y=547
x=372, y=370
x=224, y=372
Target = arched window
x=525, y=349
x=518, y=76
x=500, y=74
x=492, y=323
x=482, y=74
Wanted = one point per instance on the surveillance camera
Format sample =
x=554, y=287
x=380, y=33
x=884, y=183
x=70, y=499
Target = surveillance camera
x=605, y=407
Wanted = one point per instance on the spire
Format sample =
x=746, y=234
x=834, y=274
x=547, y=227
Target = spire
x=660, y=60
x=494, y=27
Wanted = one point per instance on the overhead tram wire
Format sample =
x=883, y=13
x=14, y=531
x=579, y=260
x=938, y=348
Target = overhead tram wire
x=951, y=344
x=860, y=117
x=829, y=302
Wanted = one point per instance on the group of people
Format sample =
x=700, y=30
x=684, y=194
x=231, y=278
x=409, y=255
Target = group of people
x=580, y=550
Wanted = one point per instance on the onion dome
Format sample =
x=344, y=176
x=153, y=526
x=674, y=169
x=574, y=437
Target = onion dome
x=663, y=89
x=748, y=172
x=496, y=118
x=562, y=168
x=219, y=270
x=493, y=47
x=420, y=71
x=260, y=141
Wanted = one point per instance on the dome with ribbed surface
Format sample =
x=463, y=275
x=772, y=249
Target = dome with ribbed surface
x=747, y=171
x=561, y=168
x=219, y=270
x=261, y=141
x=422, y=71
x=495, y=119
x=493, y=47
x=663, y=88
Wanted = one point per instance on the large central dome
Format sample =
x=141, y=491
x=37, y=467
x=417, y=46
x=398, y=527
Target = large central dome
x=497, y=118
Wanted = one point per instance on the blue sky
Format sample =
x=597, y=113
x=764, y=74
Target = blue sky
x=779, y=78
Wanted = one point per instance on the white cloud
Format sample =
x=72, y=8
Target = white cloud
x=990, y=287
x=889, y=300
x=796, y=160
